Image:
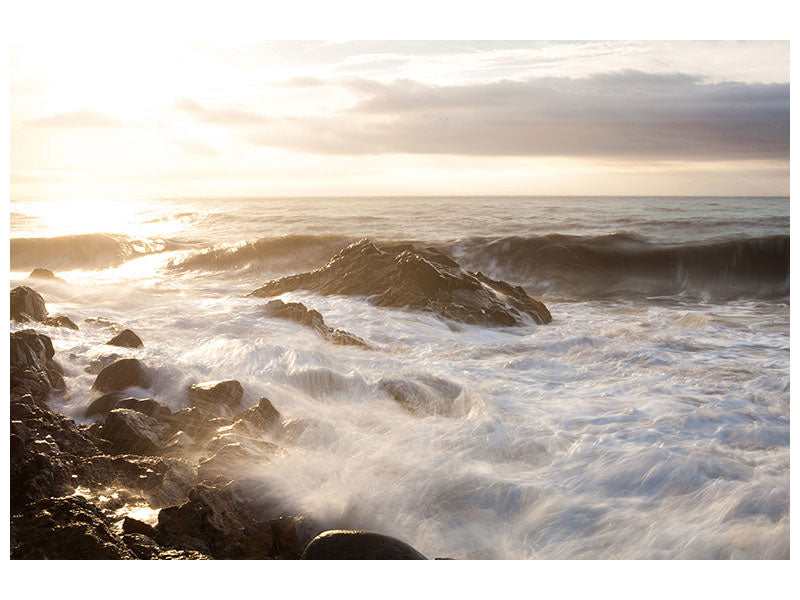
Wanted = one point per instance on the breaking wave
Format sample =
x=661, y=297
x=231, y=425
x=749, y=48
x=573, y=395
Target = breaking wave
x=627, y=265
x=84, y=251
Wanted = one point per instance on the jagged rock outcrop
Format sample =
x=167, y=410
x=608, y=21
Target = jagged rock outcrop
x=421, y=278
x=132, y=432
x=299, y=313
x=61, y=321
x=217, y=398
x=65, y=528
x=358, y=545
x=33, y=370
x=126, y=339
x=122, y=374
x=27, y=305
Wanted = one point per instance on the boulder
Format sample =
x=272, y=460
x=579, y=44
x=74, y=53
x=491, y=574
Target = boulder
x=42, y=274
x=130, y=525
x=122, y=374
x=297, y=312
x=217, y=521
x=131, y=432
x=126, y=339
x=65, y=528
x=403, y=275
x=147, y=406
x=217, y=398
x=340, y=544
x=33, y=370
x=60, y=321
x=234, y=459
x=27, y=305
x=103, y=405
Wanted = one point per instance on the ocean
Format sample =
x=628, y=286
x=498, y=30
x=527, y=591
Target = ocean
x=649, y=419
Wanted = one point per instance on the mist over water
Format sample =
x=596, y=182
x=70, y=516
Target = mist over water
x=650, y=419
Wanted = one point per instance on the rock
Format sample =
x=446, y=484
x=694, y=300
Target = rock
x=297, y=312
x=217, y=398
x=104, y=404
x=65, y=528
x=147, y=406
x=126, y=339
x=258, y=419
x=42, y=274
x=235, y=459
x=217, y=521
x=403, y=275
x=60, y=321
x=130, y=525
x=27, y=305
x=340, y=544
x=424, y=396
x=196, y=423
x=131, y=432
x=122, y=374
x=103, y=322
x=33, y=370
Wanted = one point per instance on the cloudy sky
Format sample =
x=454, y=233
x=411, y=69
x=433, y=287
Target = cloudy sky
x=175, y=119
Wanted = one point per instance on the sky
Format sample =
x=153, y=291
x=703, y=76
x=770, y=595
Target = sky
x=170, y=118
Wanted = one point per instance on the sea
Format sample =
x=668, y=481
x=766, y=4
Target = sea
x=648, y=420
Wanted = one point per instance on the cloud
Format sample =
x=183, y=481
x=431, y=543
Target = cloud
x=77, y=118
x=627, y=114
x=230, y=116
x=195, y=147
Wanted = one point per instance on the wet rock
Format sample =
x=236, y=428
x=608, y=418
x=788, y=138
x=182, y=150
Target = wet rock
x=403, y=275
x=217, y=521
x=60, y=321
x=147, y=406
x=358, y=545
x=196, y=423
x=27, y=305
x=131, y=432
x=130, y=525
x=65, y=528
x=235, y=459
x=42, y=274
x=297, y=312
x=122, y=374
x=103, y=322
x=103, y=405
x=424, y=396
x=258, y=419
x=33, y=370
x=160, y=481
x=217, y=398
x=126, y=339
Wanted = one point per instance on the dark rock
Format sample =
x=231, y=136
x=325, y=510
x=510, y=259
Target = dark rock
x=297, y=312
x=60, y=321
x=196, y=423
x=42, y=274
x=33, y=370
x=130, y=525
x=104, y=404
x=422, y=278
x=27, y=305
x=358, y=545
x=65, y=528
x=217, y=521
x=160, y=481
x=126, y=339
x=124, y=373
x=217, y=398
x=147, y=406
x=131, y=432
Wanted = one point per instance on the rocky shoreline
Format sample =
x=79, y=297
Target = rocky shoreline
x=143, y=482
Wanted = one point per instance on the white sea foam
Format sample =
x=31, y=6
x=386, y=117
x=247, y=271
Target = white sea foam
x=627, y=428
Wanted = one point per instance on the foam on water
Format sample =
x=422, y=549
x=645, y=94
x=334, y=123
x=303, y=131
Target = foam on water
x=622, y=429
